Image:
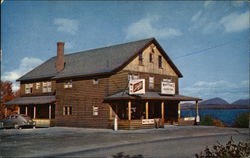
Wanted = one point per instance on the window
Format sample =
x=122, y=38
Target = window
x=67, y=110
x=151, y=83
x=151, y=57
x=140, y=59
x=133, y=77
x=37, y=85
x=95, y=81
x=28, y=88
x=46, y=87
x=160, y=61
x=95, y=110
x=68, y=84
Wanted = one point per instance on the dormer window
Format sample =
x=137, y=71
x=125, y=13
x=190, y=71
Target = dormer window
x=28, y=88
x=68, y=84
x=140, y=59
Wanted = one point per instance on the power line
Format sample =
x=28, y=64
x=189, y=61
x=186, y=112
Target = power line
x=204, y=50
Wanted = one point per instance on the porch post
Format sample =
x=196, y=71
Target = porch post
x=197, y=111
x=116, y=110
x=110, y=112
x=162, y=110
x=179, y=110
x=26, y=110
x=50, y=111
x=34, y=113
x=18, y=110
x=147, y=110
x=129, y=110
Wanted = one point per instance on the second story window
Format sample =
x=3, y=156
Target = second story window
x=151, y=57
x=133, y=77
x=95, y=81
x=47, y=87
x=37, y=85
x=160, y=61
x=140, y=58
x=68, y=84
x=28, y=88
x=151, y=83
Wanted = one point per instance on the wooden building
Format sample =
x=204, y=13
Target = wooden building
x=90, y=88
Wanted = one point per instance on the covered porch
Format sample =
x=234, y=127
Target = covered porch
x=40, y=108
x=148, y=110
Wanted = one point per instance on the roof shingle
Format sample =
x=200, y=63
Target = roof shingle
x=95, y=61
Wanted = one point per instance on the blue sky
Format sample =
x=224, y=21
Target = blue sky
x=215, y=33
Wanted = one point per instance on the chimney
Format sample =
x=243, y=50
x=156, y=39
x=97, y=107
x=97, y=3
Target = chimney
x=60, y=57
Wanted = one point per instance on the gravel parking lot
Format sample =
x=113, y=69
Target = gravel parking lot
x=63, y=141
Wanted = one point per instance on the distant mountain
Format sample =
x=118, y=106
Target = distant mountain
x=214, y=101
x=241, y=102
x=218, y=103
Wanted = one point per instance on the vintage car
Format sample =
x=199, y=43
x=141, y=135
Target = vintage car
x=17, y=121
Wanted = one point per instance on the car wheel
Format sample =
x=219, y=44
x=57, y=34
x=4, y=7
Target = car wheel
x=16, y=126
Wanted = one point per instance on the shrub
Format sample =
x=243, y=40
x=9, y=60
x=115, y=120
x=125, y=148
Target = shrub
x=242, y=120
x=207, y=120
x=230, y=150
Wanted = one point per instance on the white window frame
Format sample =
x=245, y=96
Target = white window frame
x=151, y=82
x=38, y=85
x=68, y=84
x=47, y=87
x=28, y=88
x=95, y=81
x=95, y=110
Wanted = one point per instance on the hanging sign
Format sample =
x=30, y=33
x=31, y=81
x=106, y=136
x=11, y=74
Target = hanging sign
x=137, y=86
x=167, y=88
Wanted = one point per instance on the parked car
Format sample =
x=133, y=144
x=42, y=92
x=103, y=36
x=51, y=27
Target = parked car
x=17, y=121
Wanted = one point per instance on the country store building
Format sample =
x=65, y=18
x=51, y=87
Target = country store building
x=134, y=83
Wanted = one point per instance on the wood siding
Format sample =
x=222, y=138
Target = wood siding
x=82, y=97
x=148, y=67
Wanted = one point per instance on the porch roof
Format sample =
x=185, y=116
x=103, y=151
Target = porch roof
x=32, y=100
x=149, y=96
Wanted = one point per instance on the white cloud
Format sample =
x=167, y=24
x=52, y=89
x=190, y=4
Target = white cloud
x=224, y=89
x=196, y=16
x=237, y=3
x=145, y=27
x=25, y=66
x=208, y=3
x=236, y=22
x=69, y=45
x=66, y=25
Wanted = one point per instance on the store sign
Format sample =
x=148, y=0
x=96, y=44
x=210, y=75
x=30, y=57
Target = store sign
x=137, y=86
x=167, y=88
x=148, y=121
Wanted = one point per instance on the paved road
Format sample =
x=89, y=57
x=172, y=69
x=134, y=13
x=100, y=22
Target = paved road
x=172, y=141
x=167, y=148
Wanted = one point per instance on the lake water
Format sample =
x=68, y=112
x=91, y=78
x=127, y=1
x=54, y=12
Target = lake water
x=226, y=115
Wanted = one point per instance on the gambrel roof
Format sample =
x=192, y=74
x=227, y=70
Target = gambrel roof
x=98, y=61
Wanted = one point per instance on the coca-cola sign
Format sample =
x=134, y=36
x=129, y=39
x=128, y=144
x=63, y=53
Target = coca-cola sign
x=137, y=86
